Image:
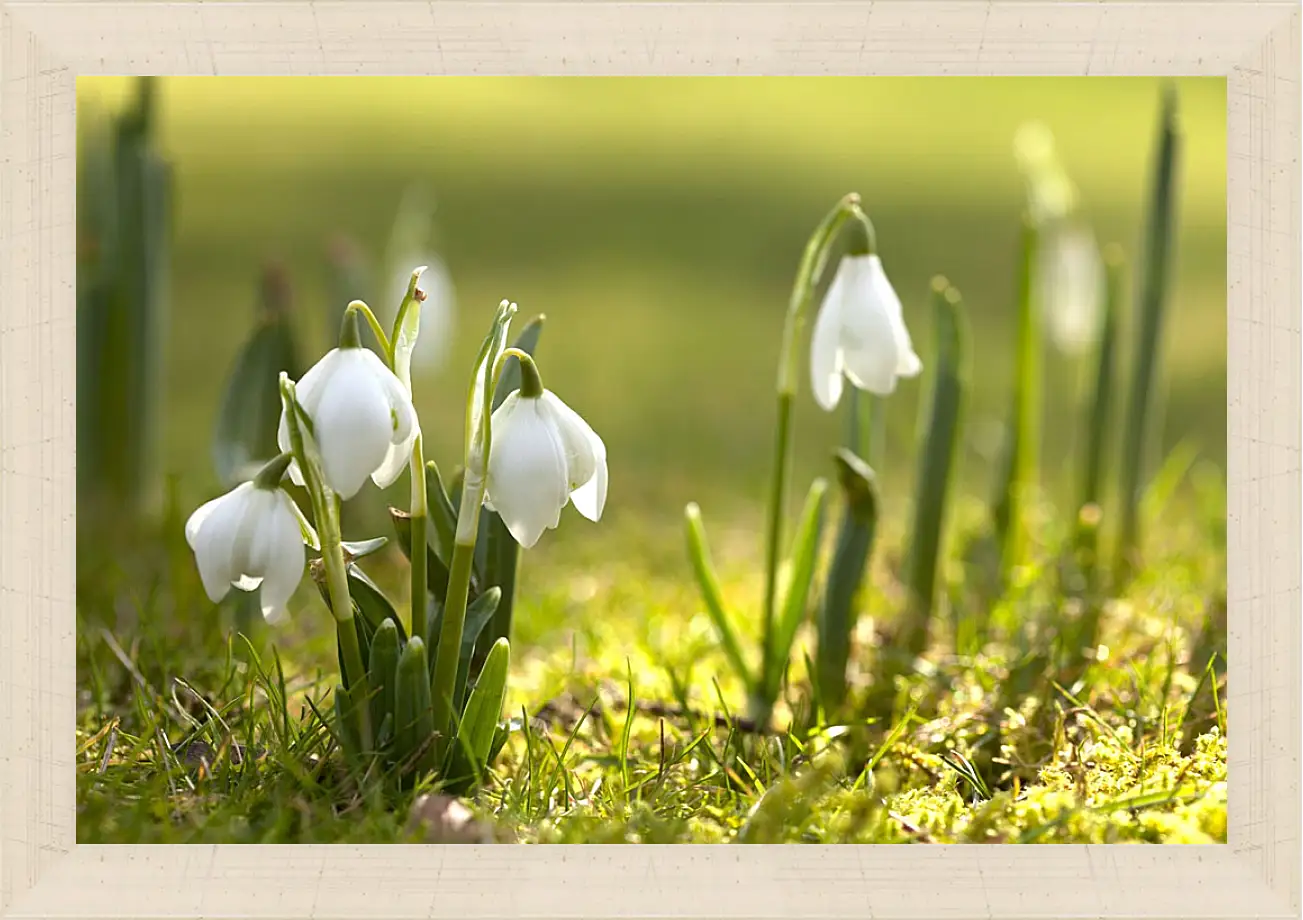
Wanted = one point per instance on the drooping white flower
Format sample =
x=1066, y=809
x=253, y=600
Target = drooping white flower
x=860, y=333
x=542, y=456
x=1070, y=283
x=1051, y=193
x=363, y=421
x=251, y=536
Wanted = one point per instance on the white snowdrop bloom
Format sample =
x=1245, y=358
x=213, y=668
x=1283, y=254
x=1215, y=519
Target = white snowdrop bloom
x=542, y=456
x=252, y=536
x=860, y=333
x=363, y=421
x=1070, y=283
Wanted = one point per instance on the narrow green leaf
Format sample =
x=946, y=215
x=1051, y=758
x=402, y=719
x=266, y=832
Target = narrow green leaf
x=346, y=726
x=478, y=614
x=1098, y=421
x=436, y=572
x=805, y=552
x=837, y=615
x=362, y=548
x=1018, y=463
x=383, y=671
x=370, y=602
x=443, y=513
x=938, y=452
x=245, y=433
x=1093, y=471
x=704, y=569
x=413, y=713
x=1140, y=430
x=479, y=723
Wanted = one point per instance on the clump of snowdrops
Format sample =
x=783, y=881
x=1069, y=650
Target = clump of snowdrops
x=412, y=695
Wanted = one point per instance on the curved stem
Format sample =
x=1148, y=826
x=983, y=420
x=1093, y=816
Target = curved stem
x=359, y=306
x=325, y=511
x=531, y=387
x=813, y=260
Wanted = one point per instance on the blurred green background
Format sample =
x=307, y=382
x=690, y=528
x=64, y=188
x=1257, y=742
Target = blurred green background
x=658, y=223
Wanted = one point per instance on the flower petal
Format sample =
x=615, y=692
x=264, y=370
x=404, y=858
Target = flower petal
x=403, y=418
x=585, y=457
x=308, y=392
x=354, y=427
x=281, y=557
x=213, y=538
x=527, y=469
x=825, y=345
x=907, y=362
x=868, y=334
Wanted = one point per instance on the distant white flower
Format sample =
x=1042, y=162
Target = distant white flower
x=438, y=310
x=1070, y=283
x=252, y=536
x=1051, y=194
x=860, y=332
x=542, y=456
x=362, y=420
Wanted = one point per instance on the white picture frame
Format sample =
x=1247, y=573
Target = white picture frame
x=46, y=44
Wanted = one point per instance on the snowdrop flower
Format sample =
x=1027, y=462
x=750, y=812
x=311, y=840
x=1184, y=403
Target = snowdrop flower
x=1051, y=194
x=252, y=536
x=542, y=456
x=362, y=417
x=1071, y=279
x=860, y=332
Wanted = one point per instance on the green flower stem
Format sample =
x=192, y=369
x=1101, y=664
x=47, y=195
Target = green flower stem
x=448, y=655
x=350, y=317
x=813, y=260
x=420, y=515
x=273, y=471
x=325, y=511
x=447, y=658
x=531, y=387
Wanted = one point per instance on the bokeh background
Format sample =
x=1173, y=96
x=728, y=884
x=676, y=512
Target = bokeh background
x=658, y=223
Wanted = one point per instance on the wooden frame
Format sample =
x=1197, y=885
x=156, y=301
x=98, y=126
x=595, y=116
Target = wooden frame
x=45, y=45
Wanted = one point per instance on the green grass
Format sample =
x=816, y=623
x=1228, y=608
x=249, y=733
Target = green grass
x=658, y=225
x=1133, y=751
